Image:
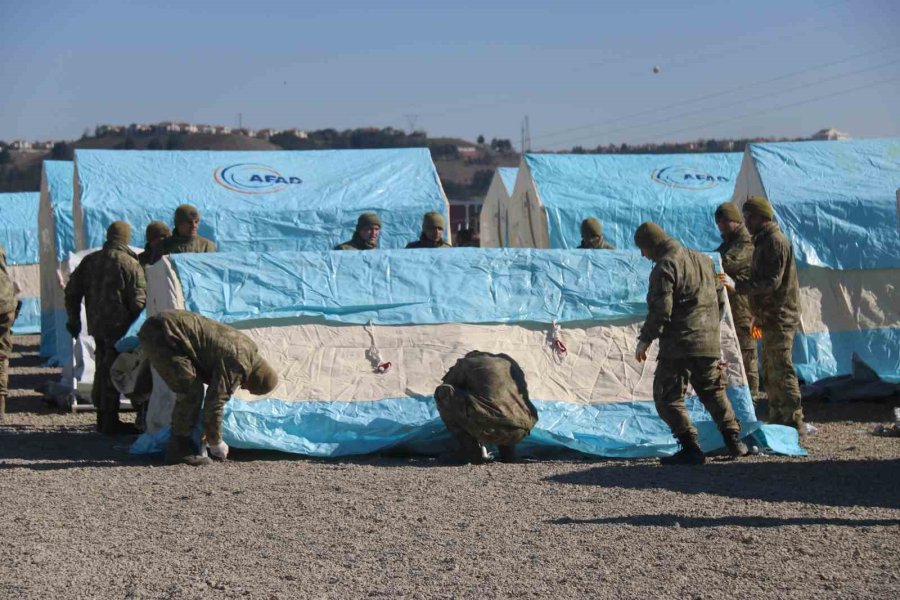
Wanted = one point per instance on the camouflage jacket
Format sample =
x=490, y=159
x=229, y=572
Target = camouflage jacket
x=600, y=244
x=7, y=287
x=180, y=244
x=737, y=255
x=424, y=242
x=221, y=355
x=684, y=303
x=112, y=284
x=498, y=385
x=356, y=243
x=772, y=288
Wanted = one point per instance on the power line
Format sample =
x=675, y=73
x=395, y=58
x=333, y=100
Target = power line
x=728, y=105
x=782, y=107
x=714, y=95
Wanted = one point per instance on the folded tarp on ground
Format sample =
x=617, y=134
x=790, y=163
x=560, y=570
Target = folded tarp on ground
x=837, y=203
x=326, y=320
x=493, y=222
x=679, y=192
x=19, y=236
x=57, y=234
x=258, y=201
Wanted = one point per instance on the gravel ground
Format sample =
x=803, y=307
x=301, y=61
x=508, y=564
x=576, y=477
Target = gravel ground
x=83, y=519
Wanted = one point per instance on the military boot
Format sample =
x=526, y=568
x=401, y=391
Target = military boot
x=736, y=448
x=690, y=453
x=508, y=454
x=468, y=451
x=181, y=451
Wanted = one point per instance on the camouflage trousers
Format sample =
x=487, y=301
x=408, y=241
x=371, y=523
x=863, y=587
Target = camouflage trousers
x=706, y=377
x=6, y=323
x=489, y=422
x=782, y=386
x=104, y=394
x=179, y=373
x=751, y=367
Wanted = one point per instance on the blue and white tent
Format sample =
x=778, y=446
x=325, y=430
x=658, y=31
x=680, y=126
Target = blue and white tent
x=19, y=236
x=493, y=211
x=837, y=202
x=57, y=233
x=258, y=201
x=679, y=192
x=327, y=321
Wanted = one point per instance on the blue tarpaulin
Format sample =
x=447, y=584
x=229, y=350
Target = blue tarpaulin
x=405, y=288
x=18, y=227
x=265, y=201
x=56, y=218
x=508, y=177
x=678, y=192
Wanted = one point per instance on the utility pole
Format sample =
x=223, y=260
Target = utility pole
x=526, y=135
x=411, y=120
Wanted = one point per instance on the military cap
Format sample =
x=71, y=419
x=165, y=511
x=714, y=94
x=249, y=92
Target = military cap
x=368, y=219
x=186, y=213
x=649, y=235
x=591, y=228
x=262, y=379
x=119, y=231
x=432, y=220
x=156, y=230
x=759, y=205
x=728, y=211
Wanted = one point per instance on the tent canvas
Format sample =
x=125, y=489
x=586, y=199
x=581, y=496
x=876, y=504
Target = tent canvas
x=837, y=203
x=57, y=241
x=264, y=201
x=555, y=192
x=19, y=236
x=493, y=211
x=326, y=320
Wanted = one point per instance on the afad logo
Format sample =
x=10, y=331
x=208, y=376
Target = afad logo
x=686, y=178
x=248, y=178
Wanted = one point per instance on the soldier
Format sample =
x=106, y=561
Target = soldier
x=189, y=350
x=432, y=232
x=368, y=228
x=684, y=310
x=736, y=251
x=9, y=310
x=774, y=295
x=484, y=400
x=157, y=232
x=185, y=239
x=111, y=282
x=592, y=236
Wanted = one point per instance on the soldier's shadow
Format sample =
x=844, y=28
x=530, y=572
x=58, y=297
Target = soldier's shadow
x=23, y=447
x=846, y=483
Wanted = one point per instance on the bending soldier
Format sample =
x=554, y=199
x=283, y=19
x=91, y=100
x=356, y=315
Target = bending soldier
x=9, y=310
x=592, y=236
x=736, y=251
x=432, y=232
x=188, y=351
x=365, y=237
x=684, y=310
x=484, y=400
x=111, y=283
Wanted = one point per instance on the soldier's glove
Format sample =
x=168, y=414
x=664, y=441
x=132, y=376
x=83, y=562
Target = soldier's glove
x=640, y=353
x=18, y=310
x=74, y=328
x=218, y=451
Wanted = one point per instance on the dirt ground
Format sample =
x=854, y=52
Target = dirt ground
x=83, y=519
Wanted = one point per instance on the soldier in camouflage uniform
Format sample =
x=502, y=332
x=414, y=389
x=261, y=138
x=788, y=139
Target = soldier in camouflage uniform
x=736, y=251
x=432, y=232
x=774, y=294
x=111, y=283
x=157, y=232
x=9, y=310
x=368, y=228
x=189, y=350
x=592, y=236
x=185, y=238
x=484, y=400
x=684, y=303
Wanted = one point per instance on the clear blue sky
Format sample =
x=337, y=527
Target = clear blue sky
x=581, y=71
